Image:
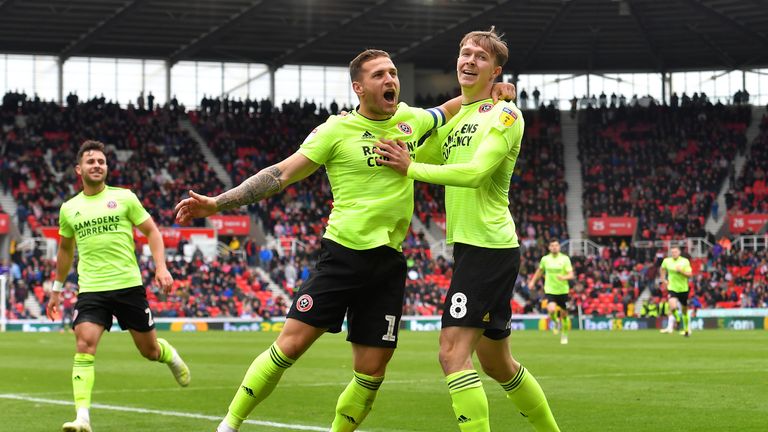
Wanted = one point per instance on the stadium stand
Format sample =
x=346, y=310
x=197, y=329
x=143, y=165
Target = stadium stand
x=145, y=148
x=661, y=164
x=249, y=136
x=751, y=192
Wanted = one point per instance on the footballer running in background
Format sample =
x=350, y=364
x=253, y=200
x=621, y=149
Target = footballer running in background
x=99, y=221
x=557, y=270
x=675, y=271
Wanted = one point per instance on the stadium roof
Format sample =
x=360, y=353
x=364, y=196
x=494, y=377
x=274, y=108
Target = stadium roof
x=544, y=35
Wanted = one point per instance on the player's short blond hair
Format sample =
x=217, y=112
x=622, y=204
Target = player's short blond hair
x=490, y=41
x=356, y=65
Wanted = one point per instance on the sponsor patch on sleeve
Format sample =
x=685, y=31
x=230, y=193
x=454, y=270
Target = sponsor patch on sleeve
x=507, y=117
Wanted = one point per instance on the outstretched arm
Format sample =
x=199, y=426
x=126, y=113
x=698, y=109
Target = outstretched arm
x=259, y=186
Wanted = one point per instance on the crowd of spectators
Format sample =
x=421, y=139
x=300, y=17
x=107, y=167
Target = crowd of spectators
x=148, y=152
x=749, y=194
x=662, y=164
x=202, y=288
x=690, y=146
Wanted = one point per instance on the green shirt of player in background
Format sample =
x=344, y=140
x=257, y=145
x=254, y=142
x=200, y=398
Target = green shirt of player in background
x=675, y=271
x=478, y=150
x=557, y=270
x=99, y=221
x=102, y=226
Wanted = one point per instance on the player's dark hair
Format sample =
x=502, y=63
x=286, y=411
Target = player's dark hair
x=553, y=240
x=356, y=65
x=89, y=145
x=490, y=41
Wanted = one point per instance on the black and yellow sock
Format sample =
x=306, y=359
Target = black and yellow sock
x=259, y=381
x=469, y=401
x=528, y=397
x=355, y=402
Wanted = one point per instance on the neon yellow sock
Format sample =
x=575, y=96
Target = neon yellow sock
x=259, y=381
x=528, y=397
x=566, y=324
x=166, y=351
x=355, y=402
x=686, y=320
x=83, y=377
x=469, y=401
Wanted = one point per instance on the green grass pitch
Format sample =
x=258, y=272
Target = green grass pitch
x=602, y=381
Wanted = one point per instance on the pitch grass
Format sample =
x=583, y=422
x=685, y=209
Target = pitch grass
x=601, y=381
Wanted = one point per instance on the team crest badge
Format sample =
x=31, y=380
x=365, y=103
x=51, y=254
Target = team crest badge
x=507, y=117
x=484, y=108
x=405, y=128
x=112, y=204
x=304, y=303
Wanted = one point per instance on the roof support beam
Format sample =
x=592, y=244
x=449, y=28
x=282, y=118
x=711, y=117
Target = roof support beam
x=214, y=33
x=412, y=49
x=4, y=4
x=87, y=38
x=551, y=26
x=634, y=11
x=724, y=57
x=730, y=22
x=304, y=47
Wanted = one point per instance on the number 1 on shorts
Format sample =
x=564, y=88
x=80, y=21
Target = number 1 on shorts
x=390, y=335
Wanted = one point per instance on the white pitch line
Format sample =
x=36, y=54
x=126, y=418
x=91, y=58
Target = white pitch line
x=422, y=381
x=163, y=413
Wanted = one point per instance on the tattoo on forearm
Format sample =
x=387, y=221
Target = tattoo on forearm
x=261, y=185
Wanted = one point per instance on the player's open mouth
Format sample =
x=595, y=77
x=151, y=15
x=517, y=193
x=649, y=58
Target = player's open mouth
x=389, y=96
x=468, y=73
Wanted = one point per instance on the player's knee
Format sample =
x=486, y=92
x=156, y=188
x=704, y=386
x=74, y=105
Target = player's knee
x=375, y=369
x=86, y=346
x=500, y=371
x=452, y=360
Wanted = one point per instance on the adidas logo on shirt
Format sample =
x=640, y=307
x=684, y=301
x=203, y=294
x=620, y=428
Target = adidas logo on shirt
x=368, y=135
